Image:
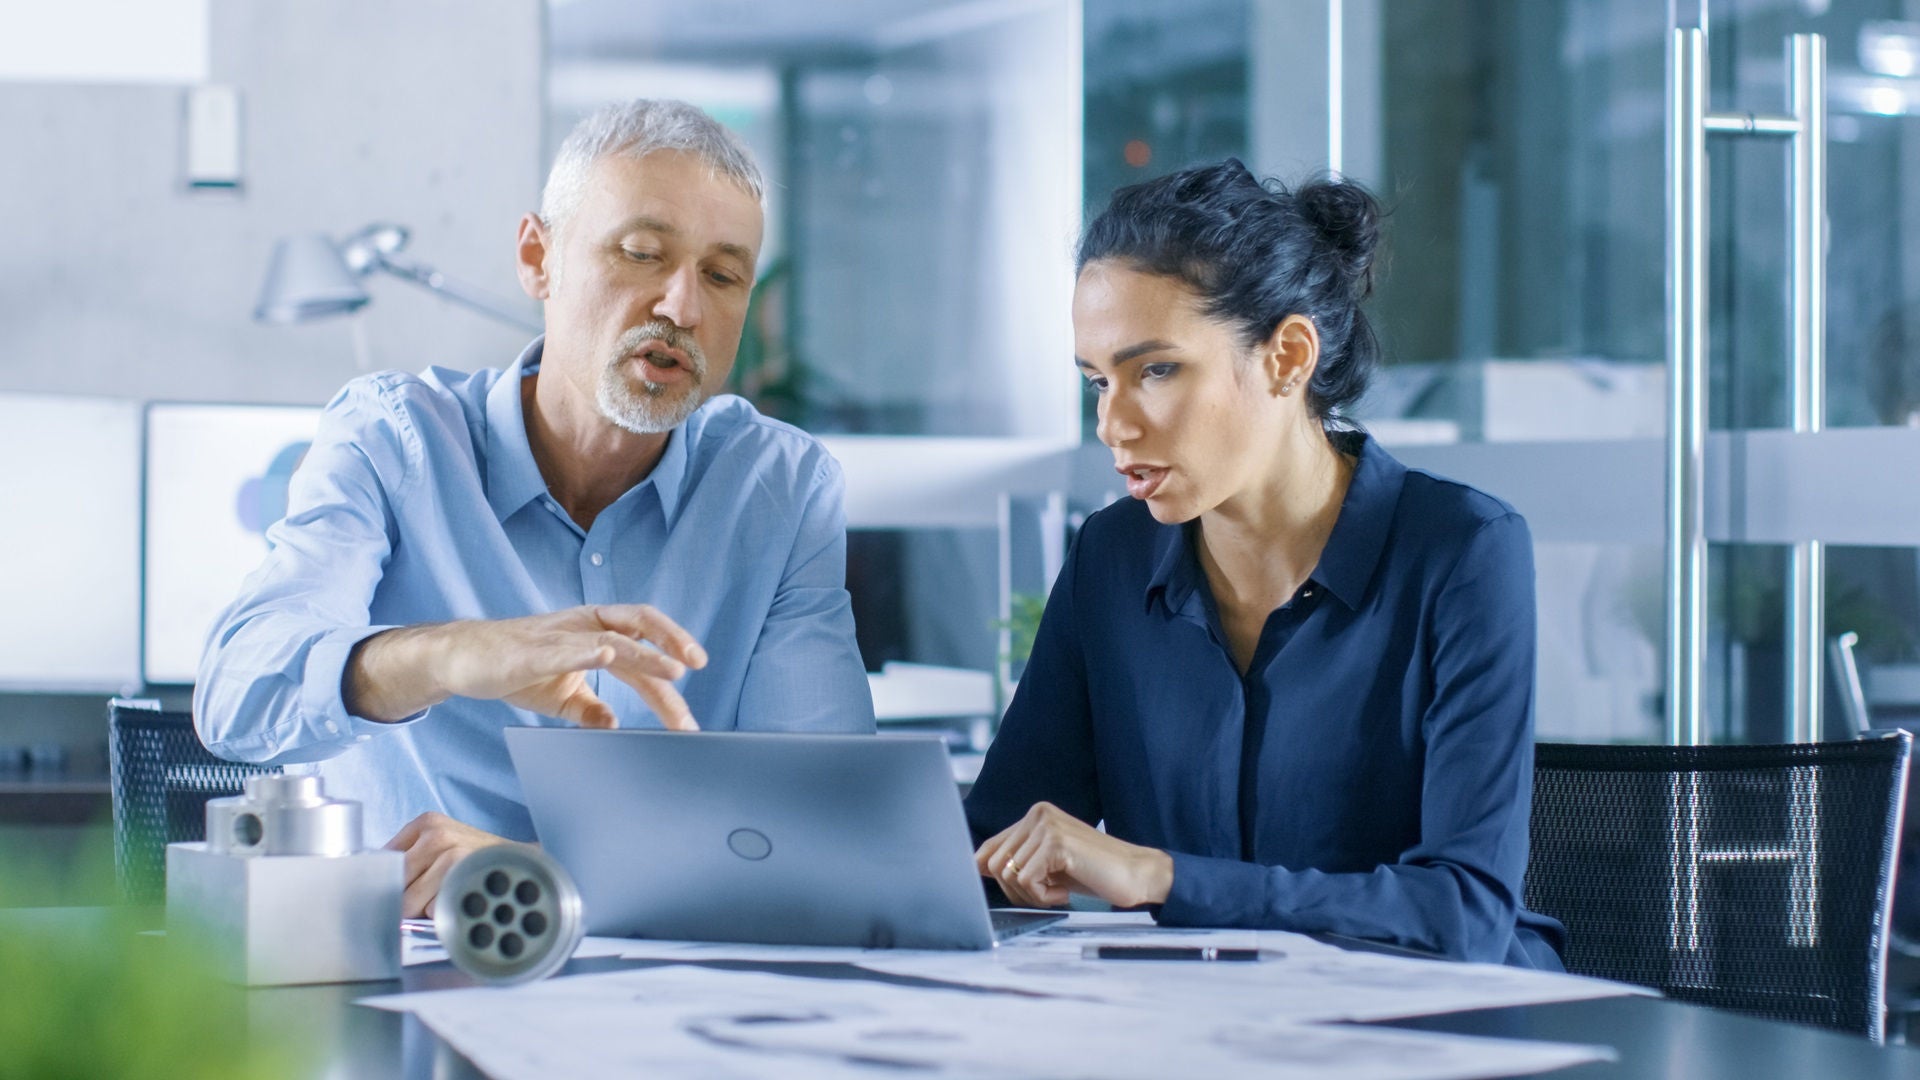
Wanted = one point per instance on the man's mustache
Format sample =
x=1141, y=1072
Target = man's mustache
x=667, y=334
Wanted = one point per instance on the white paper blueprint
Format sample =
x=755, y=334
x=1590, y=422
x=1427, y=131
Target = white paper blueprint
x=701, y=1021
x=420, y=945
x=1305, y=986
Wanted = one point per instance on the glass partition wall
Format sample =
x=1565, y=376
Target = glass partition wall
x=1523, y=150
x=932, y=160
x=912, y=306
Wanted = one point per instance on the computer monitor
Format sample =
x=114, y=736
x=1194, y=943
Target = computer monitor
x=216, y=478
x=69, y=620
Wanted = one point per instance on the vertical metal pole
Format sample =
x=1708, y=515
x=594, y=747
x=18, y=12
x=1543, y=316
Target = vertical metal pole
x=1686, y=384
x=1806, y=629
x=1336, y=86
x=1003, y=605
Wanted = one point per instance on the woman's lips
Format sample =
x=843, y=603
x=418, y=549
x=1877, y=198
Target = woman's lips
x=1144, y=480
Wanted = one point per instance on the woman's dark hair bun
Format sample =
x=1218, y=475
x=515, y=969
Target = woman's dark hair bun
x=1348, y=219
x=1256, y=252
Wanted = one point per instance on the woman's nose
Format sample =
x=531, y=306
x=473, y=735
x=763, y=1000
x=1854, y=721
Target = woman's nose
x=1117, y=424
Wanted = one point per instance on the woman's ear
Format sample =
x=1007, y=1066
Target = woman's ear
x=1289, y=355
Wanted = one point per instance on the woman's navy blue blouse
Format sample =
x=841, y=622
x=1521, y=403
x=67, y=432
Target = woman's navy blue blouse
x=1370, y=774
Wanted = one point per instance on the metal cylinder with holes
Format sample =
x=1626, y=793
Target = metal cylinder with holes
x=508, y=914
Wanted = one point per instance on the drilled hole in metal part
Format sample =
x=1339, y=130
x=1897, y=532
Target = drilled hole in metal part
x=473, y=905
x=504, y=914
x=533, y=923
x=480, y=936
x=511, y=945
x=498, y=883
x=247, y=830
x=527, y=892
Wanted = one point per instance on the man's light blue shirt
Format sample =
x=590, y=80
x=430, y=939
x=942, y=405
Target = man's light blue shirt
x=420, y=502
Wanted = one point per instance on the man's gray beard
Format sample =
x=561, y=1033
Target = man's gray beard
x=648, y=411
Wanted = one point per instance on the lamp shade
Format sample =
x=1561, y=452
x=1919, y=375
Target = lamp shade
x=307, y=279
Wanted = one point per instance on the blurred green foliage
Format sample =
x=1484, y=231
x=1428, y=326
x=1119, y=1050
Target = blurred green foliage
x=1024, y=624
x=86, y=995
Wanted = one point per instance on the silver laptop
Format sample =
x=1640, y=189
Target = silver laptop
x=852, y=840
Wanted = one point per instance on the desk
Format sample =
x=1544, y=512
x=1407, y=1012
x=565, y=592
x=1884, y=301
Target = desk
x=1654, y=1037
x=36, y=798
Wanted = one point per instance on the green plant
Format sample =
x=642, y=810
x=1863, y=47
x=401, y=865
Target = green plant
x=1023, y=623
x=88, y=996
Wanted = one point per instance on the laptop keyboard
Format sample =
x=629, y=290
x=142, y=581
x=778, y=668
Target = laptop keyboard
x=1007, y=923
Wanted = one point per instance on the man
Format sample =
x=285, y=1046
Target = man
x=464, y=553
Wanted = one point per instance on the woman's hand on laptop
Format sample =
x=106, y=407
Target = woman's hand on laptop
x=537, y=662
x=1049, y=854
x=433, y=843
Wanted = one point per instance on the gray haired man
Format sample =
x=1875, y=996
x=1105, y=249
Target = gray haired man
x=590, y=536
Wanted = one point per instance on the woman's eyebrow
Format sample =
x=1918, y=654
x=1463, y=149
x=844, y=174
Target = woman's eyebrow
x=1131, y=352
x=1134, y=352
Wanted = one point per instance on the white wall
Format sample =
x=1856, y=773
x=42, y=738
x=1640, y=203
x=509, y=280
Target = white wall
x=115, y=280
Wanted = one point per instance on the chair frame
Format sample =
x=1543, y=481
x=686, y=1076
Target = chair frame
x=1688, y=856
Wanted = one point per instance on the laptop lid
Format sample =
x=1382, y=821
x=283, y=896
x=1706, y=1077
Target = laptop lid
x=850, y=840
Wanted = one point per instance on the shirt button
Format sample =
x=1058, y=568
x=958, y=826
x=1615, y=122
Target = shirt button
x=1304, y=593
x=596, y=559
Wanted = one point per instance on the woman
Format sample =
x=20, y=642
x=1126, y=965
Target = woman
x=1293, y=677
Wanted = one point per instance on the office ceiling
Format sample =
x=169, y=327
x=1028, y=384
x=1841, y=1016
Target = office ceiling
x=707, y=30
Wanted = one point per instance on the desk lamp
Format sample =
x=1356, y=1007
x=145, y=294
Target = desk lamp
x=312, y=276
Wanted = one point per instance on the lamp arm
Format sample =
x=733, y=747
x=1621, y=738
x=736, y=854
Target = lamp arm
x=467, y=296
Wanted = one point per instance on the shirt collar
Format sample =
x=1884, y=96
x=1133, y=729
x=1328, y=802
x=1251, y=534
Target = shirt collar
x=670, y=471
x=1359, y=535
x=1353, y=549
x=1176, y=568
x=513, y=477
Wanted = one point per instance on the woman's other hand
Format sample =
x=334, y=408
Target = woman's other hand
x=1049, y=854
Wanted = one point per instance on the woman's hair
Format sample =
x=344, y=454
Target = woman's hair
x=1256, y=253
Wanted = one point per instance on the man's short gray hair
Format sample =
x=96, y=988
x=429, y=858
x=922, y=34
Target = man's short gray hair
x=638, y=128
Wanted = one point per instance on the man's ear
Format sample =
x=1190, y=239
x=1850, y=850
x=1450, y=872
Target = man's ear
x=536, y=255
x=1289, y=355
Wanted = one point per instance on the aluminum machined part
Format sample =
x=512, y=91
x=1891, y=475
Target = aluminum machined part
x=281, y=892
x=283, y=815
x=509, y=914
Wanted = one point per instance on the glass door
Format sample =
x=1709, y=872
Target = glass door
x=1530, y=309
x=1687, y=354
x=1829, y=521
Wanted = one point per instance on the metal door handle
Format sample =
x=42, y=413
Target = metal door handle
x=1689, y=123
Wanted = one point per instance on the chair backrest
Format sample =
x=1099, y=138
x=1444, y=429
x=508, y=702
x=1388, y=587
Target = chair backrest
x=1752, y=878
x=162, y=777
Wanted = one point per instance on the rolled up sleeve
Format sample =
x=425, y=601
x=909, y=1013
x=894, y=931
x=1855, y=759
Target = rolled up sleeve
x=269, y=687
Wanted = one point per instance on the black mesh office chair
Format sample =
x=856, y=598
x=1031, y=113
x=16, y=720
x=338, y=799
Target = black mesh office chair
x=162, y=778
x=1751, y=878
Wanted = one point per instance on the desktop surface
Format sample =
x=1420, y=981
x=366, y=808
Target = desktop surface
x=1652, y=1037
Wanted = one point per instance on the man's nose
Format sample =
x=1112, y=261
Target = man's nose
x=680, y=304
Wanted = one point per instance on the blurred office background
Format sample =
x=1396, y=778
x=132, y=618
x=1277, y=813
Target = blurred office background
x=931, y=162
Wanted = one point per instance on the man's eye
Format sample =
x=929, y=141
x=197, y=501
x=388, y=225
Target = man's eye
x=641, y=256
x=1158, y=371
x=1097, y=386
x=721, y=277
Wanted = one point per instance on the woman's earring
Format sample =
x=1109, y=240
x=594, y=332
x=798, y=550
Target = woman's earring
x=1287, y=387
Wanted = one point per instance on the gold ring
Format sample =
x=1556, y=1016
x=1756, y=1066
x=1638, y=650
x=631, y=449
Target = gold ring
x=1010, y=868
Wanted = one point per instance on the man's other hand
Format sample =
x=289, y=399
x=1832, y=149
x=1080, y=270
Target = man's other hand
x=432, y=844
x=538, y=662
